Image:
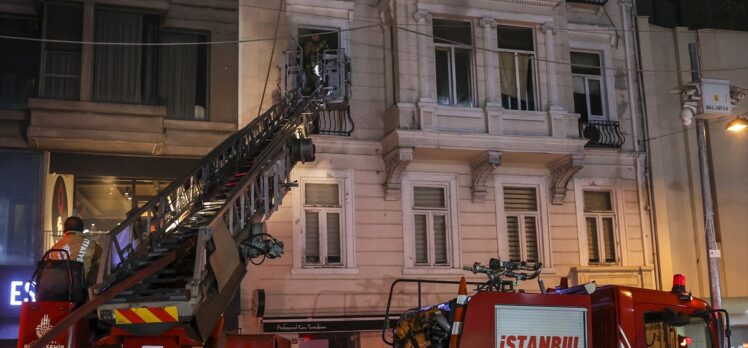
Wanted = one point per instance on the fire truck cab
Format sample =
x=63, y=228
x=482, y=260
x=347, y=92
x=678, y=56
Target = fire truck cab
x=564, y=317
x=633, y=317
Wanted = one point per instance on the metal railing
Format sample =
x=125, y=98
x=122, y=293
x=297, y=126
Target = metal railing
x=419, y=282
x=333, y=120
x=601, y=134
x=331, y=68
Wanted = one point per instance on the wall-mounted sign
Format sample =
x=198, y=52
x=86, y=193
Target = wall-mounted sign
x=715, y=96
x=332, y=324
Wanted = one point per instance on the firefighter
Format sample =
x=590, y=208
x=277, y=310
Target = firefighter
x=312, y=49
x=80, y=249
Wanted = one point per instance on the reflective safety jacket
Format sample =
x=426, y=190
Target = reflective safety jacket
x=81, y=249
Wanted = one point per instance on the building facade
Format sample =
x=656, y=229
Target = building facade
x=96, y=129
x=476, y=129
x=677, y=199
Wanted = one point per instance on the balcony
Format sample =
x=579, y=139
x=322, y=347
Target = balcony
x=601, y=134
x=335, y=120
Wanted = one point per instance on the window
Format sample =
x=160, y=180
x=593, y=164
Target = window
x=322, y=224
x=61, y=62
x=121, y=73
x=19, y=66
x=171, y=75
x=103, y=202
x=522, y=221
x=517, y=68
x=324, y=240
x=430, y=217
x=19, y=207
x=453, y=56
x=586, y=69
x=183, y=76
x=660, y=334
x=430, y=223
x=599, y=220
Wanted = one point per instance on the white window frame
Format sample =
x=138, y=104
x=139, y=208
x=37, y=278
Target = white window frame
x=599, y=44
x=452, y=69
x=615, y=188
x=544, y=239
x=308, y=17
x=344, y=178
x=533, y=64
x=449, y=183
x=603, y=87
x=299, y=19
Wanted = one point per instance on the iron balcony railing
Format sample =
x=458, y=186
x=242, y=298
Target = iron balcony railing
x=602, y=134
x=334, y=119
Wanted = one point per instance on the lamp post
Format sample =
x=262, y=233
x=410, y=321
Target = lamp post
x=713, y=252
x=710, y=99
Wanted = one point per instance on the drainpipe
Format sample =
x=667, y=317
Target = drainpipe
x=626, y=6
x=628, y=13
x=648, y=165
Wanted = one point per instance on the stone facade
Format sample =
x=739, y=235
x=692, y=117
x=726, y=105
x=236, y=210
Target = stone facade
x=83, y=118
x=408, y=140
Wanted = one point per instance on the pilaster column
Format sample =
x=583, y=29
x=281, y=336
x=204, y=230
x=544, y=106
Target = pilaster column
x=489, y=60
x=423, y=19
x=550, y=32
x=86, y=72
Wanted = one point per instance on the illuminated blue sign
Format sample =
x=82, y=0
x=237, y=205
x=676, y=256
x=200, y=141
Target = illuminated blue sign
x=21, y=292
x=13, y=292
x=14, y=289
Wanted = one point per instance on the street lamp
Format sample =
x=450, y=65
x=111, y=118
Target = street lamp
x=737, y=125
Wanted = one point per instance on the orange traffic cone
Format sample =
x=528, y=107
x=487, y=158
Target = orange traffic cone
x=459, y=313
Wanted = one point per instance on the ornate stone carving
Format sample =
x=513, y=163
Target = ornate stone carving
x=481, y=167
x=561, y=172
x=488, y=22
x=546, y=27
x=395, y=163
x=422, y=17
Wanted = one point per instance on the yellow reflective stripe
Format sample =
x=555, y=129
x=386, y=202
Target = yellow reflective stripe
x=119, y=318
x=172, y=310
x=146, y=315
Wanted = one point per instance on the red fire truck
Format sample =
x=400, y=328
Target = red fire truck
x=564, y=317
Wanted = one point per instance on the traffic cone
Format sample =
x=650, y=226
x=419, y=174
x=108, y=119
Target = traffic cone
x=459, y=313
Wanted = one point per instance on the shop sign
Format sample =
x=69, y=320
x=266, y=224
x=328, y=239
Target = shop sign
x=14, y=289
x=340, y=324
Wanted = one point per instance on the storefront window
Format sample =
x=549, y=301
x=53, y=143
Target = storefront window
x=19, y=207
x=103, y=202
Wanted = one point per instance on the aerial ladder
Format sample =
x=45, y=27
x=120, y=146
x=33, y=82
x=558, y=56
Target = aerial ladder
x=169, y=270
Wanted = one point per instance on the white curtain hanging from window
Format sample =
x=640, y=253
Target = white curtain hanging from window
x=117, y=67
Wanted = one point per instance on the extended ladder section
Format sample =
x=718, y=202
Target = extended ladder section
x=174, y=264
x=213, y=216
